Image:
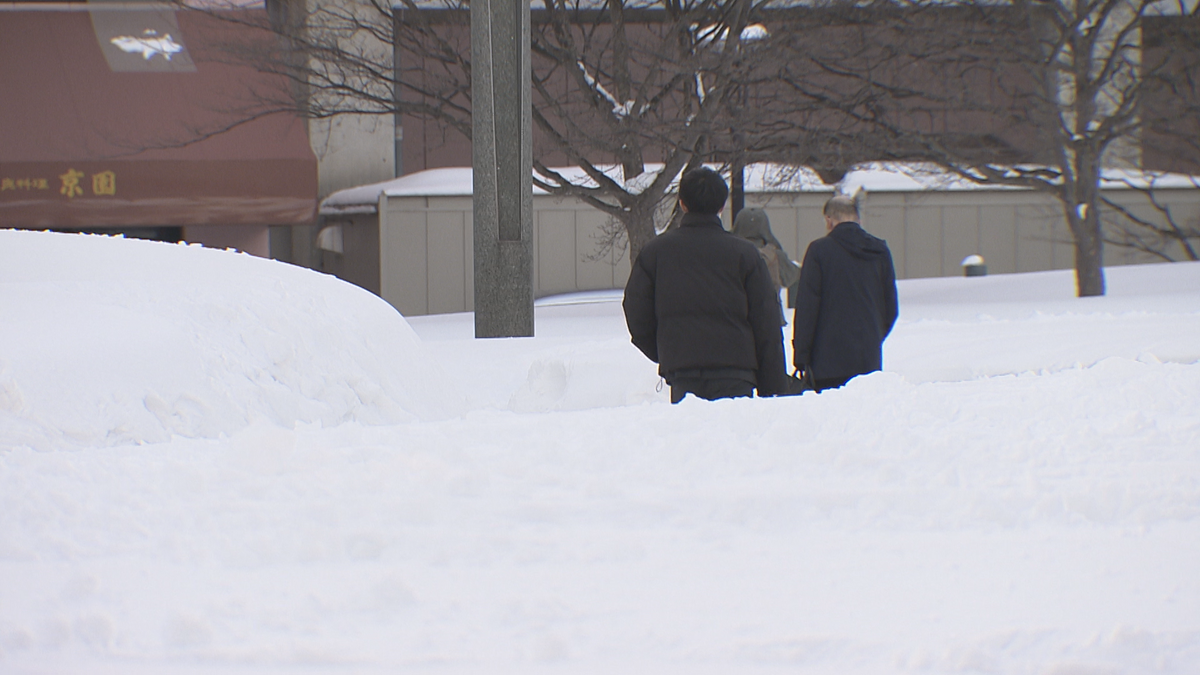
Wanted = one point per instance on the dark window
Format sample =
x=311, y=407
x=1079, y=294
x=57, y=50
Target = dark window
x=171, y=234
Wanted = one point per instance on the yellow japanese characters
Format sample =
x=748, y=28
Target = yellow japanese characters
x=103, y=184
x=70, y=183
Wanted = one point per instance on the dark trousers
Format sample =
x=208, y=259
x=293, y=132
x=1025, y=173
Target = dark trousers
x=710, y=389
x=831, y=383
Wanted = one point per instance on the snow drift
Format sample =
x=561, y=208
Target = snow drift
x=113, y=342
x=1017, y=494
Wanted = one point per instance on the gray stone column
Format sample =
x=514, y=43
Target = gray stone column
x=502, y=155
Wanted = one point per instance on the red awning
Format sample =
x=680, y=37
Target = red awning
x=98, y=127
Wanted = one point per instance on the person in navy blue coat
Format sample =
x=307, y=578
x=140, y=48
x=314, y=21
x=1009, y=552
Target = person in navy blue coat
x=701, y=304
x=846, y=302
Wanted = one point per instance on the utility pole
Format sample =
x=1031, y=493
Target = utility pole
x=502, y=157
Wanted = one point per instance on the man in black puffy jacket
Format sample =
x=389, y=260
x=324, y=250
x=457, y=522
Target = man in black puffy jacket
x=700, y=303
x=846, y=302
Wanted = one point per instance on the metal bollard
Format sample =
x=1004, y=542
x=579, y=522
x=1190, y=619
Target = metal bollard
x=974, y=266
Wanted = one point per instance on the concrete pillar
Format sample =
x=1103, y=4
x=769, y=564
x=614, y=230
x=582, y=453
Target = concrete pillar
x=502, y=156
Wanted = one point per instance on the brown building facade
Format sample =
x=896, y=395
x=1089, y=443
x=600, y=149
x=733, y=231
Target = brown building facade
x=833, y=86
x=129, y=118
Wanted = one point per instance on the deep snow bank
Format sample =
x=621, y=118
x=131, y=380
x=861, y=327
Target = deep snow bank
x=108, y=341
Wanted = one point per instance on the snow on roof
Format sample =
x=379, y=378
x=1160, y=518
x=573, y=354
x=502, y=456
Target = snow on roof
x=447, y=182
x=1137, y=179
x=759, y=178
x=429, y=183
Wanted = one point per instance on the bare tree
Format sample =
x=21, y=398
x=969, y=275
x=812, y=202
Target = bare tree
x=1043, y=94
x=630, y=86
x=1169, y=235
x=629, y=94
x=1170, y=141
x=1040, y=94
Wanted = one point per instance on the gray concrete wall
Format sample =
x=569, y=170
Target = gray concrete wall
x=427, y=259
x=931, y=232
x=426, y=247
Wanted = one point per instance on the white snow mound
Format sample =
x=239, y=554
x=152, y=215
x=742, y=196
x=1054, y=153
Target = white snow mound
x=141, y=341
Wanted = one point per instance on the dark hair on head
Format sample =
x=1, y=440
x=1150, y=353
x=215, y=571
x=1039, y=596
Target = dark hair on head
x=703, y=191
x=841, y=208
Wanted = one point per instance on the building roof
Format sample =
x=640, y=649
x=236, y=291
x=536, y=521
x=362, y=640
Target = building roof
x=759, y=179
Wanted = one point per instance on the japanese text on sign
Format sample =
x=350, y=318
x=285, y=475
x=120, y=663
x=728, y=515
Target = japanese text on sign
x=15, y=184
x=72, y=184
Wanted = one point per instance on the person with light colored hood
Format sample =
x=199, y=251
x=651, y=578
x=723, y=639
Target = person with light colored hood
x=752, y=224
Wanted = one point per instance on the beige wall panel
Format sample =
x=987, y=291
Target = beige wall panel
x=621, y=265
x=960, y=236
x=1115, y=223
x=403, y=258
x=469, y=255
x=884, y=218
x=1035, y=247
x=447, y=290
x=1188, y=201
x=998, y=237
x=460, y=204
x=1183, y=207
x=1062, y=244
x=537, y=206
x=923, y=242
x=427, y=257
x=555, y=255
x=595, y=268
x=783, y=224
x=810, y=224
x=976, y=198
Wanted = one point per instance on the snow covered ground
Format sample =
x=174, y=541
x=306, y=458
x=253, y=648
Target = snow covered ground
x=212, y=463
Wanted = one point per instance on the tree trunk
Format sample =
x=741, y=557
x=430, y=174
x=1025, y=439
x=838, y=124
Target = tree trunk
x=1089, y=261
x=737, y=189
x=638, y=222
x=1083, y=215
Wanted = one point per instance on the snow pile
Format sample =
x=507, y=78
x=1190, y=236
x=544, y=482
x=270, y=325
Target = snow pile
x=1017, y=494
x=113, y=342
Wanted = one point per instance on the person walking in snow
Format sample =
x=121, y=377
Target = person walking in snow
x=846, y=301
x=699, y=303
x=752, y=224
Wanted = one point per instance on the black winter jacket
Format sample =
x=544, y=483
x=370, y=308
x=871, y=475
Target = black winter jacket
x=846, y=304
x=701, y=299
